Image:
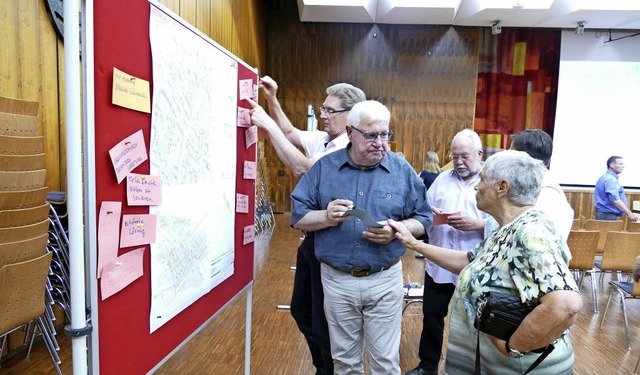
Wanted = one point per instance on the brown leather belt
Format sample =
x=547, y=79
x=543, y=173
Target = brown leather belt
x=360, y=272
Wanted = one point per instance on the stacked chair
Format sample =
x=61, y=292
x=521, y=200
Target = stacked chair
x=25, y=290
x=583, y=245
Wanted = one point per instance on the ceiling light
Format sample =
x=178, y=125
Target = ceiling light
x=496, y=28
x=580, y=27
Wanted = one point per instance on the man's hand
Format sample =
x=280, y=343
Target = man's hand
x=462, y=222
x=634, y=218
x=336, y=210
x=259, y=116
x=381, y=236
x=269, y=87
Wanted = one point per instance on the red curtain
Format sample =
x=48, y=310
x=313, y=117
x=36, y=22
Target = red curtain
x=517, y=84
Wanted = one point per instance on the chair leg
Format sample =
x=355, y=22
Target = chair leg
x=626, y=322
x=49, y=345
x=594, y=293
x=605, y=309
x=635, y=370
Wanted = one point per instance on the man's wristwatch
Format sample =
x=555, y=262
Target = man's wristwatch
x=512, y=352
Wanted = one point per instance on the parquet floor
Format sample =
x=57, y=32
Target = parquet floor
x=278, y=347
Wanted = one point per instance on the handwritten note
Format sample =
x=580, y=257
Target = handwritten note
x=130, y=92
x=248, y=234
x=244, y=119
x=246, y=89
x=121, y=272
x=439, y=219
x=242, y=203
x=108, y=236
x=255, y=92
x=250, y=136
x=128, y=154
x=138, y=230
x=249, y=170
x=144, y=190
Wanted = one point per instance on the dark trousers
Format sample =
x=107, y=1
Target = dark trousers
x=307, y=307
x=606, y=215
x=435, y=307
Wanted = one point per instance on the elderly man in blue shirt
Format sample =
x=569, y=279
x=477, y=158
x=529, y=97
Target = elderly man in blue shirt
x=361, y=270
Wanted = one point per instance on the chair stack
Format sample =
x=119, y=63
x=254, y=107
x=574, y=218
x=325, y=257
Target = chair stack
x=24, y=225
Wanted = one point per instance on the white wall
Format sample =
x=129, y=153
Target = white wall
x=598, y=108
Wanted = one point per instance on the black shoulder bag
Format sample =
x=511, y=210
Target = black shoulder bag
x=499, y=315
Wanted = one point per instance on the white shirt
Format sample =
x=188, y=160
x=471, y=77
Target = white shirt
x=452, y=194
x=316, y=144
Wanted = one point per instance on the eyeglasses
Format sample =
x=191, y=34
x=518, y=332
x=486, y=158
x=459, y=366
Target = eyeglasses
x=331, y=111
x=384, y=136
x=464, y=157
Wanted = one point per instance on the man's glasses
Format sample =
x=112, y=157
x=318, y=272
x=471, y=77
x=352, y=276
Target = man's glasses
x=456, y=157
x=384, y=136
x=331, y=111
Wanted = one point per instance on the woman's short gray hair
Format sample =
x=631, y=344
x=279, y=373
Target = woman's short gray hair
x=368, y=112
x=348, y=94
x=523, y=172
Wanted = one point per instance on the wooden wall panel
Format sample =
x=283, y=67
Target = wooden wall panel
x=581, y=200
x=32, y=58
x=426, y=76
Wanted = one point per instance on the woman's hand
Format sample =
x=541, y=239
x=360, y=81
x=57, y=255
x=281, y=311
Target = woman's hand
x=401, y=232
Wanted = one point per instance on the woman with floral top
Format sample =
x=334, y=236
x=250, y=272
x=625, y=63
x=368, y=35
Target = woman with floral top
x=525, y=257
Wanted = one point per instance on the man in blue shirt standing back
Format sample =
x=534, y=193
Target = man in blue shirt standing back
x=361, y=270
x=608, y=196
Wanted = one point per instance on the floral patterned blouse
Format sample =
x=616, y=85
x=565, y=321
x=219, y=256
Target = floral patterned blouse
x=527, y=256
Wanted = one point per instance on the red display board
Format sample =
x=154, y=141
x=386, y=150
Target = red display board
x=125, y=345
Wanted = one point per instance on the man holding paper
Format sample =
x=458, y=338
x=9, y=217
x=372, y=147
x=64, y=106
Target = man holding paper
x=457, y=224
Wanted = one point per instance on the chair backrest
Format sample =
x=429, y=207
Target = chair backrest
x=14, y=252
x=23, y=216
x=11, y=200
x=621, y=251
x=633, y=227
x=22, y=288
x=21, y=233
x=583, y=245
x=604, y=226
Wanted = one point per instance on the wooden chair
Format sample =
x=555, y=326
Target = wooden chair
x=625, y=290
x=21, y=233
x=583, y=244
x=23, y=216
x=620, y=252
x=22, y=299
x=604, y=226
x=11, y=200
x=633, y=227
x=20, y=251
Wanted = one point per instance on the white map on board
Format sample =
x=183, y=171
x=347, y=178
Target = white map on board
x=193, y=148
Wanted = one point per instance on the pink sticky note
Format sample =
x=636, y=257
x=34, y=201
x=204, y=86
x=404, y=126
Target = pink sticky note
x=244, y=119
x=108, y=236
x=250, y=136
x=255, y=92
x=138, y=230
x=144, y=190
x=128, y=154
x=248, y=235
x=439, y=219
x=249, y=170
x=242, y=203
x=246, y=88
x=121, y=272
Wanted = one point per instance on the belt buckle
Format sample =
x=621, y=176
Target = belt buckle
x=359, y=272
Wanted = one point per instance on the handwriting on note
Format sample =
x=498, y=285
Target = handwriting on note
x=242, y=203
x=246, y=88
x=130, y=92
x=143, y=190
x=244, y=119
x=108, y=233
x=121, y=272
x=128, y=154
x=249, y=170
x=250, y=136
x=138, y=230
x=248, y=234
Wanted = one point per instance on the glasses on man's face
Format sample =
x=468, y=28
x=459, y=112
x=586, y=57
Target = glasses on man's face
x=331, y=111
x=456, y=157
x=384, y=136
